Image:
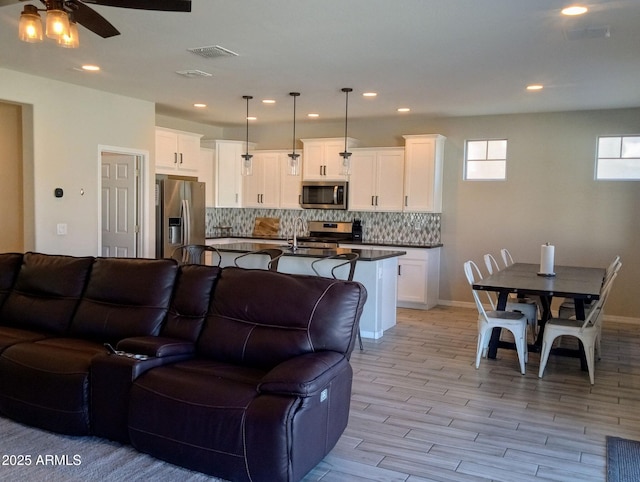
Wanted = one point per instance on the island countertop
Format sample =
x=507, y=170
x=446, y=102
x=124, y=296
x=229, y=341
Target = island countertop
x=364, y=254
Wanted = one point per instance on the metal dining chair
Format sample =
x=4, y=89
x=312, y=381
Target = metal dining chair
x=525, y=305
x=274, y=255
x=513, y=321
x=507, y=259
x=587, y=331
x=350, y=259
x=195, y=254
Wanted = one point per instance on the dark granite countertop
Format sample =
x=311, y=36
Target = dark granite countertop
x=400, y=244
x=365, y=254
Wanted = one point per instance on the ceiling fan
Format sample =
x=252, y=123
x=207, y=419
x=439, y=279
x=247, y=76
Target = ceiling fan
x=92, y=20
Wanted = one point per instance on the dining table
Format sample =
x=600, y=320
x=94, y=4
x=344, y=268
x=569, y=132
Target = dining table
x=582, y=284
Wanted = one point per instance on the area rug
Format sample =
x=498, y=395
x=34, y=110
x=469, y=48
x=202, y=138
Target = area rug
x=29, y=454
x=623, y=460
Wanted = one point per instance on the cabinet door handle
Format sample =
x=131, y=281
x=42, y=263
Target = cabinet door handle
x=406, y=201
x=376, y=200
x=175, y=158
x=372, y=203
x=399, y=270
x=321, y=170
x=181, y=158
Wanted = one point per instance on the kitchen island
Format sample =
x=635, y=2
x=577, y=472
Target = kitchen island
x=375, y=269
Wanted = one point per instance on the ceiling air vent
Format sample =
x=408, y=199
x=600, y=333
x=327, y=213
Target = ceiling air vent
x=193, y=73
x=602, y=31
x=213, y=52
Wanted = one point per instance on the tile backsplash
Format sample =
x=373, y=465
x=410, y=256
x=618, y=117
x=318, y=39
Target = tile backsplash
x=405, y=228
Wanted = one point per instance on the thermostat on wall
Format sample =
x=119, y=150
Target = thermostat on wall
x=58, y=192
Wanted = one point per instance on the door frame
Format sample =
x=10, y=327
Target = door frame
x=142, y=197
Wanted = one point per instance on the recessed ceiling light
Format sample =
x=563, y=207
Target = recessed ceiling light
x=535, y=87
x=404, y=109
x=199, y=106
x=90, y=68
x=251, y=118
x=268, y=101
x=313, y=115
x=574, y=10
x=369, y=94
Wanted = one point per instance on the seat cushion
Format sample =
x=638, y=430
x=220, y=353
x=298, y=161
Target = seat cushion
x=9, y=268
x=10, y=336
x=193, y=414
x=46, y=383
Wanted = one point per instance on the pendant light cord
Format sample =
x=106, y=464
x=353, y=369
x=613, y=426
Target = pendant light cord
x=293, y=154
x=246, y=156
x=346, y=90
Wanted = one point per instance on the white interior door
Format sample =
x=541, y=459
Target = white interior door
x=119, y=204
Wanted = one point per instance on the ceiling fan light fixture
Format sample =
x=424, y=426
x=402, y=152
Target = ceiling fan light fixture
x=57, y=22
x=70, y=41
x=30, y=28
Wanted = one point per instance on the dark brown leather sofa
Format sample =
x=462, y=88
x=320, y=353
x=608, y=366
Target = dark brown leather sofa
x=241, y=374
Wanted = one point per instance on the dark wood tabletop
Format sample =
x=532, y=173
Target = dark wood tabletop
x=523, y=279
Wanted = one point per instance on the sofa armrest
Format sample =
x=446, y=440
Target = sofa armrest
x=304, y=375
x=156, y=346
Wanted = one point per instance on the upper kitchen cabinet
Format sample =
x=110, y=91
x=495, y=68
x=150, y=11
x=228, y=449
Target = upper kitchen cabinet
x=290, y=182
x=423, y=173
x=228, y=172
x=206, y=174
x=261, y=185
x=321, y=160
x=377, y=177
x=177, y=152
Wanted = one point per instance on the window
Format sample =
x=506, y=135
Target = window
x=618, y=158
x=486, y=160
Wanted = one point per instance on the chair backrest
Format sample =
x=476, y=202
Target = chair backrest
x=195, y=254
x=274, y=257
x=351, y=260
x=594, y=317
x=491, y=263
x=614, y=266
x=506, y=257
x=469, y=269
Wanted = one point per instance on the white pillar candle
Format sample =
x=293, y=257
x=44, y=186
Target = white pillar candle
x=547, y=253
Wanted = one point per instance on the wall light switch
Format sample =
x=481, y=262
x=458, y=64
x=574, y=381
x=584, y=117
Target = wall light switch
x=61, y=229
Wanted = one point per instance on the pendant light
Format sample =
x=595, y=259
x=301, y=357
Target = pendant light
x=247, y=164
x=346, y=165
x=294, y=164
x=30, y=28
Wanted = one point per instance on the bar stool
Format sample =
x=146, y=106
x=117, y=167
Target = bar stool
x=195, y=254
x=274, y=255
x=350, y=259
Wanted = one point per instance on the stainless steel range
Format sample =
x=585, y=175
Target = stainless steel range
x=326, y=234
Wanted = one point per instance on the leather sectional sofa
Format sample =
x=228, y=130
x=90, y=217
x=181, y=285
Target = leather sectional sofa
x=241, y=374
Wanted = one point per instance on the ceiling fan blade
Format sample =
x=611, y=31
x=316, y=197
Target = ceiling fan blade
x=8, y=2
x=90, y=19
x=164, y=5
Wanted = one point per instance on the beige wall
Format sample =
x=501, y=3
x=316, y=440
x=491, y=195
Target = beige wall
x=12, y=208
x=65, y=127
x=550, y=194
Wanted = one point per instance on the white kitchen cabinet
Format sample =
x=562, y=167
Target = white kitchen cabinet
x=419, y=278
x=423, y=173
x=321, y=160
x=261, y=186
x=290, y=184
x=377, y=177
x=177, y=152
x=228, y=172
x=206, y=175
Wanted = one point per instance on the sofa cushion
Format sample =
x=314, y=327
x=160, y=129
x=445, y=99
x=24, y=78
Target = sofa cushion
x=125, y=297
x=260, y=318
x=190, y=301
x=46, y=292
x=9, y=268
x=46, y=383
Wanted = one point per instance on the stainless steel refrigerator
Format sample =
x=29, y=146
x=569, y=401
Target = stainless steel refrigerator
x=180, y=213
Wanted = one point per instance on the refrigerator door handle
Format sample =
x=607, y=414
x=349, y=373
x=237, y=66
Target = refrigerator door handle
x=186, y=222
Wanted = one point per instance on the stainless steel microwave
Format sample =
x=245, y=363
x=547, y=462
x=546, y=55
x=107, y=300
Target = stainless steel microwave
x=324, y=194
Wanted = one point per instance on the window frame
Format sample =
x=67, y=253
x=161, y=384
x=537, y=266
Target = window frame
x=465, y=173
x=598, y=159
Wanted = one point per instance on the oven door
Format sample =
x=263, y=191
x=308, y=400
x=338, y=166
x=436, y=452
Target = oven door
x=324, y=195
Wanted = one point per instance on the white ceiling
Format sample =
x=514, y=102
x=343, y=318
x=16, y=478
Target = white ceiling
x=438, y=57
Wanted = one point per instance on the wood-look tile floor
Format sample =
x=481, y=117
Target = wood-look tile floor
x=421, y=411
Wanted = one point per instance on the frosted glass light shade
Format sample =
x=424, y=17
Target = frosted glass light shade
x=70, y=41
x=30, y=28
x=57, y=24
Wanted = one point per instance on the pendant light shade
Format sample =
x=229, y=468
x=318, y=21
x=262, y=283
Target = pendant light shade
x=71, y=40
x=346, y=164
x=247, y=164
x=30, y=28
x=57, y=22
x=294, y=163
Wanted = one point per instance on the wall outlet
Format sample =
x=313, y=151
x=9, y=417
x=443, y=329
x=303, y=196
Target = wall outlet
x=61, y=229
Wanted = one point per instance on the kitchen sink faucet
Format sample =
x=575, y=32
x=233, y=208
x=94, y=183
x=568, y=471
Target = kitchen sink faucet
x=297, y=221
